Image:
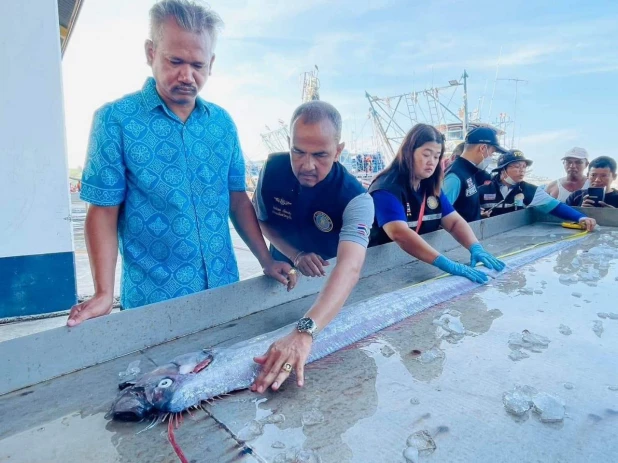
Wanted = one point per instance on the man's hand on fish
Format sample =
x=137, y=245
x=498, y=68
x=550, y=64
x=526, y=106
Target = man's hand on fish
x=310, y=264
x=292, y=349
x=97, y=306
x=282, y=272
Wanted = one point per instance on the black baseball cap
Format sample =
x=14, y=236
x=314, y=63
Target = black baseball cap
x=510, y=157
x=484, y=136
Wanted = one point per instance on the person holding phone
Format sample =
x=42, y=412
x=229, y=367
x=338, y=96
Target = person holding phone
x=601, y=174
x=508, y=192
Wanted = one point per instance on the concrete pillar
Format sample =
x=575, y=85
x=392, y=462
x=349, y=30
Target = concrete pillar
x=37, y=271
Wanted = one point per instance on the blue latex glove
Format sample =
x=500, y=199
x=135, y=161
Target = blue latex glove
x=455, y=268
x=478, y=254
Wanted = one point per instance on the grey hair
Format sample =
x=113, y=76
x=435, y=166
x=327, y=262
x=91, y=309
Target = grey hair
x=193, y=16
x=313, y=112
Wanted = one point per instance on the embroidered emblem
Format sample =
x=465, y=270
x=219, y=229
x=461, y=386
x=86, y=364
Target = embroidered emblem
x=432, y=202
x=408, y=210
x=471, y=190
x=519, y=200
x=322, y=221
x=489, y=196
x=282, y=201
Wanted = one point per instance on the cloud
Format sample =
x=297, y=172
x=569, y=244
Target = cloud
x=387, y=47
x=544, y=138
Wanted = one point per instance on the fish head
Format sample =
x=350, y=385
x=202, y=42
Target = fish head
x=159, y=391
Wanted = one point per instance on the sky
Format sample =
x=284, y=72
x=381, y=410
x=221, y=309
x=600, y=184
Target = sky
x=564, y=51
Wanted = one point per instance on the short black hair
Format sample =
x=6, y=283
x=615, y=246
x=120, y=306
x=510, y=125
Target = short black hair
x=602, y=162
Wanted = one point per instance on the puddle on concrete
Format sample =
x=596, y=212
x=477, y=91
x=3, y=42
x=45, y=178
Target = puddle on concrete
x=40, y=445
x=440, y=372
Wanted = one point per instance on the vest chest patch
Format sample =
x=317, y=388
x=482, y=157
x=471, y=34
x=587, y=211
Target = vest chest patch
x=432, y=202
x=281, y=212
x=519, y=200
x=488, y=197
x=283, y=202
x=471, y=190
x=322, y=221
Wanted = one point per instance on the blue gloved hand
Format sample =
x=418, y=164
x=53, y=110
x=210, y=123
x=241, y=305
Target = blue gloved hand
x=455, y=268
x=478, y=254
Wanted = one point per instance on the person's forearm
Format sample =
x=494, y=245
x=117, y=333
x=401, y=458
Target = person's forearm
x=416, y=246
x=278, y=242
x=462, y=232
x=246, y=224
x=338, y=287
x=565, y=212
x=101, y=234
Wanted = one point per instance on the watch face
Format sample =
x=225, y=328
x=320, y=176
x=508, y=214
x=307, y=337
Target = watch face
x=306, y=324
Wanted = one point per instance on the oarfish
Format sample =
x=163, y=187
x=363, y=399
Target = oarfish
x=191, y=379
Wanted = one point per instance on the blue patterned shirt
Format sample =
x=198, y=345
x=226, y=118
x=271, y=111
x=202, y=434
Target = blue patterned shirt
x=172, y=182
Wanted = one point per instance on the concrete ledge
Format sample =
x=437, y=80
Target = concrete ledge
x=39, y=357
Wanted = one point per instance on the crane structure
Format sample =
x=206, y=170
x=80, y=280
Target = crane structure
x=516, y=81
x=310, y=85
x=277, y=139
x=393, y=116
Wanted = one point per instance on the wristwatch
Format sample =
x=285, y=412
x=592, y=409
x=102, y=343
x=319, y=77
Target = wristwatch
x=307, y=325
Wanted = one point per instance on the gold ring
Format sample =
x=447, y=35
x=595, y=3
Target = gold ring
x=286, y=367
x=292, y=272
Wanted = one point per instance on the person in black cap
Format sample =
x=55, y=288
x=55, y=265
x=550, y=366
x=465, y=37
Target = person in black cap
x=466, y=173
x=508, y=192
x=408, y=203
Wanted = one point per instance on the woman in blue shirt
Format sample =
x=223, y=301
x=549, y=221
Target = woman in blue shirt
x=409, y=202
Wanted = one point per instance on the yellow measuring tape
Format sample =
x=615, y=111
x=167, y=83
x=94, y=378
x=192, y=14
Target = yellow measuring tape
x=519, y=251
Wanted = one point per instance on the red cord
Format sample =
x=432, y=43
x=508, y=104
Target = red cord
x=172, y=439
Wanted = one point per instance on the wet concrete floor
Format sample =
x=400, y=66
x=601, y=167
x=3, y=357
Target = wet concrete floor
x=418, y=384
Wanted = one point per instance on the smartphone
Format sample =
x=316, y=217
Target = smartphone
x=596, y=195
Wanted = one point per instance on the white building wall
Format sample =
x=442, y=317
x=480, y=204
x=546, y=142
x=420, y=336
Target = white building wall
x=34, y=194
x=37, y=263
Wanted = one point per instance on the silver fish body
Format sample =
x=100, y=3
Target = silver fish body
x=176, y=387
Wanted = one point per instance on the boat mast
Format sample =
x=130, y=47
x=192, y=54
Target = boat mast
x=517, y=81
x=465, y=101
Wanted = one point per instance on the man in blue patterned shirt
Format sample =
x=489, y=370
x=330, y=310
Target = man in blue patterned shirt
x=164, y=173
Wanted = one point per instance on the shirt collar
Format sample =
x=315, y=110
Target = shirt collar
x=152, y=99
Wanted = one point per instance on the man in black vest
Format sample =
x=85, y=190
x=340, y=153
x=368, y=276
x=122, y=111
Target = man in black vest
x=465, y=174
x=508, y=192
x=311, y=209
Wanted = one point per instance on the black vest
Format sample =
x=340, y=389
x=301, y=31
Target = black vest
x=411, y=202
x=310, y=219
x=467, y=202
x=519, y=197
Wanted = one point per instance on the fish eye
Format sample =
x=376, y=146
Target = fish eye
x=165, y=383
